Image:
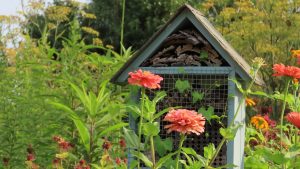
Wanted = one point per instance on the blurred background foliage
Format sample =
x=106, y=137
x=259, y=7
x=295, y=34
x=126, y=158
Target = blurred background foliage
x=67, y=41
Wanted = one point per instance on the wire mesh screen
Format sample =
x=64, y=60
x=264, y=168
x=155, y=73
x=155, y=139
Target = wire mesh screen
x=214, y=89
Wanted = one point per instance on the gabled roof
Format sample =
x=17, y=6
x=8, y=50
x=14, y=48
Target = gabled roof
x=186, y=12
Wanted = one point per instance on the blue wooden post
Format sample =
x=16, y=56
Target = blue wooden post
x=235, y=148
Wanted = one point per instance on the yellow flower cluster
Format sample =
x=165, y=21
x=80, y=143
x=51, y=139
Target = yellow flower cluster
x=88, y=15
x=58, y=13
x=295, y=53
x=90, y=30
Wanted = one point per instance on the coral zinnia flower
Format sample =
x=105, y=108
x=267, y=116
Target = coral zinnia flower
x=145, y=79
x=250, y=102
x=185, y=121
x=259, y=122
x=282, y=70
x=294, y=118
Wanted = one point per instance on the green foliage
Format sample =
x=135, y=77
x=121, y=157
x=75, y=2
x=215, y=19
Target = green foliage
x=163, y=145
x=207, y=113
x=197, y=96
x=182, y=85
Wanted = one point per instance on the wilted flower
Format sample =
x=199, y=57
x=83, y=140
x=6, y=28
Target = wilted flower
x=145, y=79
x=290, y=71
x=122, y=143
x=63, y=145
x=185, y=121
x=106, y=145
x=259, y=122
x=5, y=161
x=250, y=102
x=294, y=118
x=118, y=161
x=82, y=165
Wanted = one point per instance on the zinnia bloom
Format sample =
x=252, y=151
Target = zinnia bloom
x=185, y=121
x=145, y=79
x=250, y=102
x=259, y=122
x=290, y=71
x=294, y=118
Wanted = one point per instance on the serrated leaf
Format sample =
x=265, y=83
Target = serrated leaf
x=197, y=96
x=207, y=113
x=182, y=85
x=151, y=129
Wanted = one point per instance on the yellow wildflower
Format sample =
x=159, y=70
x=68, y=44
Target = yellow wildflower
x=250, y=102
x=259, y=122
x=97, y=41
x=90, y=30
x=58, y=13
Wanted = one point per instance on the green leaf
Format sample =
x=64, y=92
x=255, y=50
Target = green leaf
x=182, y=85
x=191, y=151
x=151, y=129
x=209, y=151
x=197, y=96
x=142, y=157
x=112, y=128
x=162, y=160
x=131, y=138
x=203, y=55
x=229, y=133
x=238, y=85
x=82, y=129
x=162, y=146
x=207, y=113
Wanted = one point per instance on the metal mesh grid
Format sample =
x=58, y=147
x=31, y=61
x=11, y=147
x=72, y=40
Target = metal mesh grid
x=215, y=88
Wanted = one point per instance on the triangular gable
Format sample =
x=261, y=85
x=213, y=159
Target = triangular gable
x=187, y=14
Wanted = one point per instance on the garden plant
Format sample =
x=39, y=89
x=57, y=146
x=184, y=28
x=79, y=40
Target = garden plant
x=59, y=110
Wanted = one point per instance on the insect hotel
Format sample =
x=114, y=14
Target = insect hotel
x=196, y=63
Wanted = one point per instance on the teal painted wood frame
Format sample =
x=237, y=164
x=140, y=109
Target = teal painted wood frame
x=235, y=148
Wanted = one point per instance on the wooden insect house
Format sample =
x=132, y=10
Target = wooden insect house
x=196, y=63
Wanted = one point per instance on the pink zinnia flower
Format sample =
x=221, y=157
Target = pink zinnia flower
x=145, y=79
x=282, y=70
x=294, y=118
x=185, y=121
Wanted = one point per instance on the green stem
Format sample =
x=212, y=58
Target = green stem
x=233, y=119
x=282, y=111
x=141, y=123
x=122, y=27
x=152, y=151
x=182, y=138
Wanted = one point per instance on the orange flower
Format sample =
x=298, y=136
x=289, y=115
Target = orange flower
x=145, y=79
x=250, y=102
x=295, y=53
x=185, y=121
x=282, y=70
x=259, y=122
x=294, y=118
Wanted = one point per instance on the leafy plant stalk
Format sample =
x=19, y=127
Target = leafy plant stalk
x=234, y=117
x=283, y=109
x=152, y=151
x=182, y=138
x=143, y=92
x=122, y=27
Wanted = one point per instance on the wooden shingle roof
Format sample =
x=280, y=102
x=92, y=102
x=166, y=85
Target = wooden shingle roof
x=186, y=12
